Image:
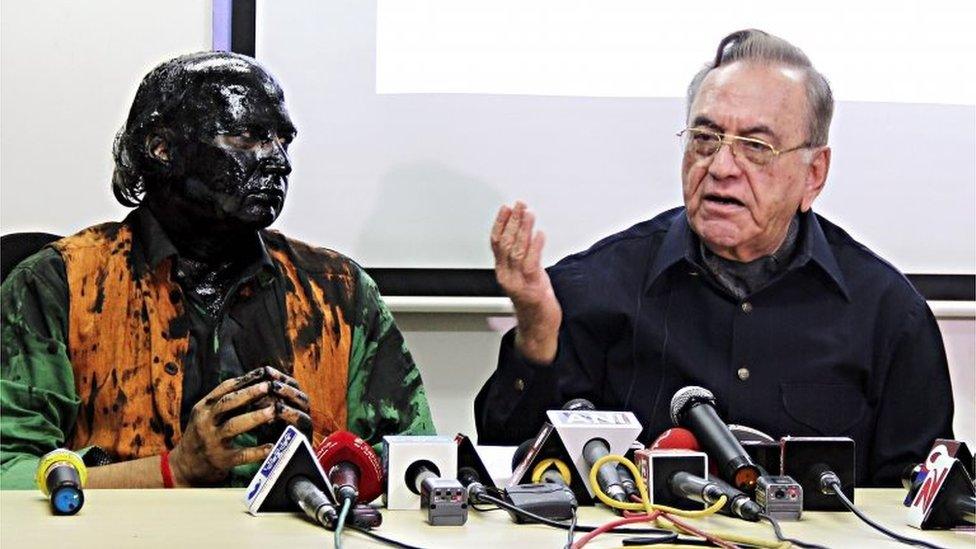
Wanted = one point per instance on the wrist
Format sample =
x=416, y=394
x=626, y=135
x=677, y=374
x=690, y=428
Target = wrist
x=538, y=349
x=170, y=463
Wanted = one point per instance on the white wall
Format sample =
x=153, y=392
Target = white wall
x=68, y=73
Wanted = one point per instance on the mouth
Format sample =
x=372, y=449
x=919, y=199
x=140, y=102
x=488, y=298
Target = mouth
x=723, y=200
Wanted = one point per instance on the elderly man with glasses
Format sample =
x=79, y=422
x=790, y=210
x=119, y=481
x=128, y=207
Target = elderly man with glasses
x=796, y=328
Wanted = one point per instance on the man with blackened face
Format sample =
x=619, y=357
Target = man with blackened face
x=173, y=347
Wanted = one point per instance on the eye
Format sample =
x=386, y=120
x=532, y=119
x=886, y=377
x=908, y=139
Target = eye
x=756, y=146
x=704, y=137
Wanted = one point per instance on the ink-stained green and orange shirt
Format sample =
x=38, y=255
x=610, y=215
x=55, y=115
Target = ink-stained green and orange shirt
x=102, y=348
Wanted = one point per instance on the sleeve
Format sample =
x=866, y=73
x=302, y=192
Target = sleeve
x=386, y=393
x=37, y=387
x=916, y=400
x=511, y=406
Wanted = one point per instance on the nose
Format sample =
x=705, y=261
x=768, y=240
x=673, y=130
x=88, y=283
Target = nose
x=723, y=163
x=276, y=160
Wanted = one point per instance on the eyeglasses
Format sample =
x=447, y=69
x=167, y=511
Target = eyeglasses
x=706, y=143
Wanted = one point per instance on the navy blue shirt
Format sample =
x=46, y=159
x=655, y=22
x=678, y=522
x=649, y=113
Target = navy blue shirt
x=839, y=344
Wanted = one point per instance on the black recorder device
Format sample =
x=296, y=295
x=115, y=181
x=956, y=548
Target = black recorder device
x=781, y=497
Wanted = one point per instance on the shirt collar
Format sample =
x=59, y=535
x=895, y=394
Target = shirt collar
x=157, y=247
x=680, y=241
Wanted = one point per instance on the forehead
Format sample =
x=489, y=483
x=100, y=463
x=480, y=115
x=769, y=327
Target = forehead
x=235, y=90
x=745, y=95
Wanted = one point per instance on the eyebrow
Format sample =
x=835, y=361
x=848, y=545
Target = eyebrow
x=707, y=122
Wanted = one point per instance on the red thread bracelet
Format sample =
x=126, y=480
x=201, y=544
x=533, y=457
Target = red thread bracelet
x=165, y=470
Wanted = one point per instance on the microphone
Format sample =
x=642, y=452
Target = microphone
x=709, y=491
x=614, y=479
x=352, y=466
x=61, y=474
x=694, y=408
x=607, y=476
x=411, y=460
x=676, y=438
x=705, y=488
x=946, y=497
x=548, y=470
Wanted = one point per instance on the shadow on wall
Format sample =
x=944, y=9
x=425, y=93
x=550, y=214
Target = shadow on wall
x=425, y=212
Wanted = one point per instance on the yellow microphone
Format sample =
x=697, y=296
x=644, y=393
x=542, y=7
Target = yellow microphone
x=61, y=474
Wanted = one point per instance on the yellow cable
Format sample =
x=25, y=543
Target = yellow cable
x=645, y=504
x=648, y=507
x=544, y=464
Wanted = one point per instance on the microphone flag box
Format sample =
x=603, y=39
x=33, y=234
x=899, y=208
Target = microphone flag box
x=658, y=466
x=938, y=502
x=802, y=457
x=404, y=456
x=291, y=456
x=578, y=427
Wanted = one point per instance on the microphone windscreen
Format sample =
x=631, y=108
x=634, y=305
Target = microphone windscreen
x=687, y=396
x=579, y=404
x=676, y=438
x=344, y=446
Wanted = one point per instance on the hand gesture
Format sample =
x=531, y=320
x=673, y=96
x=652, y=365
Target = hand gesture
x=518, y=257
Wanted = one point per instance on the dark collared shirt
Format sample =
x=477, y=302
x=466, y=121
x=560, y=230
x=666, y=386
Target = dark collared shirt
x=218, y=343
x=838, y=344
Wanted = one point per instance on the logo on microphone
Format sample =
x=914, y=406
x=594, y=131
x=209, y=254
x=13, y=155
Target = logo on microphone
x=592, y=417
x=937, y=466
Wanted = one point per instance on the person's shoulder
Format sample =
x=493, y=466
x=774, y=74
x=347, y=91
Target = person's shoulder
x=94, y=236
x=313, y=259
x=864, y=270
x=643, y=238
x=43, y=264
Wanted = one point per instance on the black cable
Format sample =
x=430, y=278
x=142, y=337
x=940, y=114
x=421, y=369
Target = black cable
x=572, y=527
x=380, y=538
x=564, y=526
x=781, y=537
x=838, y=491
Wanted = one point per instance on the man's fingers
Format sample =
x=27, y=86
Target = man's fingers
x=232, y=384
x=522, y=238
x=278, y=375
x=294, y=396
x=295, y=417
x=533, y=258
x=245, y=422
x=240, y=397
x=251, y=454
x=510, y=233
x=504, y=213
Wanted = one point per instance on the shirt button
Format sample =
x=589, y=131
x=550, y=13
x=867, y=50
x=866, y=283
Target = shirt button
x=743, y=373
x=519, y=384
x=171, y=368
x=746, y=307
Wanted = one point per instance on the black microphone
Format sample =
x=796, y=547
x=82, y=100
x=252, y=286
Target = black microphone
x=615, y=479
x=709, y=491
x=550, y=474
x=694, y=408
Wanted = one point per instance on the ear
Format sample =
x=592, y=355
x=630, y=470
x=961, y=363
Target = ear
x=158, y=147
x=816, y=177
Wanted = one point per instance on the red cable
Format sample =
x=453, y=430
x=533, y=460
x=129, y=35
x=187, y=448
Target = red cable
x=684, y=526
x=611, y=525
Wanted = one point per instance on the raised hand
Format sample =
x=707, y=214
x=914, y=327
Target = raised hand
x=518, y=268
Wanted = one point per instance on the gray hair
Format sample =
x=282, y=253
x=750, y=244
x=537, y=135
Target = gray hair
x=756, y=45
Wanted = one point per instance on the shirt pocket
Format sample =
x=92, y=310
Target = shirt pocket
x=831, y=409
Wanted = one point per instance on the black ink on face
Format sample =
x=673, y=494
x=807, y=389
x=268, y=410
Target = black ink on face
x=236, y=164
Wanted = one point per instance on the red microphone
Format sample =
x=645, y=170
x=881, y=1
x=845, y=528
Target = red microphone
x=352, y=466
x=676, y=438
